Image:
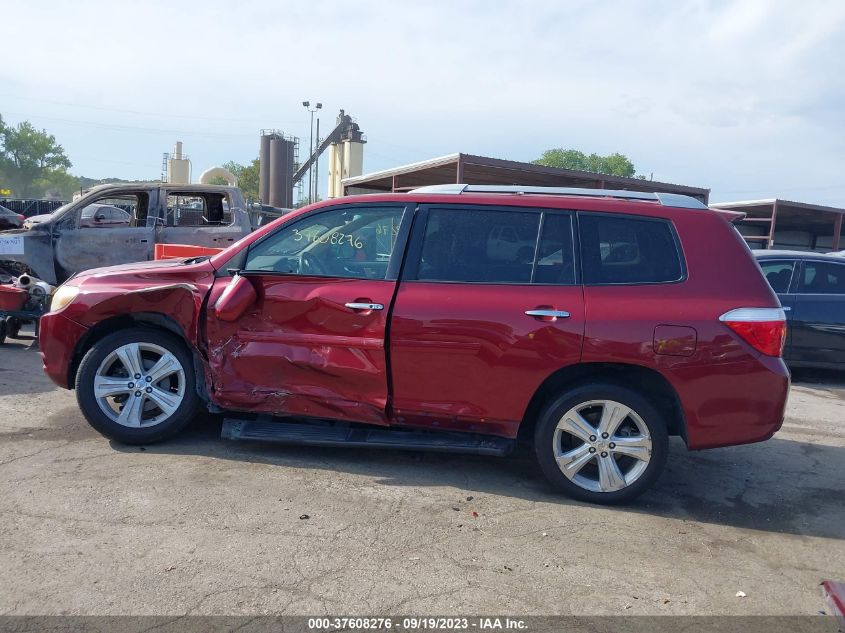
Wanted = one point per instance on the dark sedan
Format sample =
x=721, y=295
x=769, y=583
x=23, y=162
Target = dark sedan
x=811, y=288
x=9, y=219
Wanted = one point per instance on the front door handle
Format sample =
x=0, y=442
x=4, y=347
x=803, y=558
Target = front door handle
x=354, y=305
x=547, y=314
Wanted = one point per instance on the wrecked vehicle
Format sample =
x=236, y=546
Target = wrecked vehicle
x=9, y=219
x=386, y=321
x=23, y=300
x=122, y=223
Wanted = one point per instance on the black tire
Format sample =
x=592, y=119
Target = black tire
x=2, y=331
x=544, y=442
x=13, y=327
x=98, y=419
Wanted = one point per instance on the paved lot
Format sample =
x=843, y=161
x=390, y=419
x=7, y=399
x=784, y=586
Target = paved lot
x=204, y=526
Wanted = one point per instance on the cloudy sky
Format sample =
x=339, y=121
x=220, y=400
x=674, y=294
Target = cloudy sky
x=745, y=97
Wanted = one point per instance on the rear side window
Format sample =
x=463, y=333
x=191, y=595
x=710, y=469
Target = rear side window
x=778, y=274
x=210, y=209
x=627, y=250
x=822, y=278
x=483, y=246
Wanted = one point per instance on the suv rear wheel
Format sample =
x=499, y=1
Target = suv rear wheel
x=137, y=386
x=601, y=443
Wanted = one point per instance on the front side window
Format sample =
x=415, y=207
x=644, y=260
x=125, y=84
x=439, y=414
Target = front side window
x=823, y=278
x=778, y=274
x=103, y=216
x=627, y=250
x=115, y=212
x=351, y=243
x=479, y=245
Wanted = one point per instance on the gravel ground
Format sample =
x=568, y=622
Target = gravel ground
x=200, y=525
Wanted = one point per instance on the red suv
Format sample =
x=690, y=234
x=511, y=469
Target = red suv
x=614, y=320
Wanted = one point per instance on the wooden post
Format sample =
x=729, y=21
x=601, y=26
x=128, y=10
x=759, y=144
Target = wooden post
x=770, y=242
x=837, y=231
x=460, y=170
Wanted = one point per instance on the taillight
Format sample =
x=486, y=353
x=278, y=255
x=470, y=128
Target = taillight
x=21, y=217
x=764, y=329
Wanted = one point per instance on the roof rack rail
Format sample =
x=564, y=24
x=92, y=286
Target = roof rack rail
x=665, y=199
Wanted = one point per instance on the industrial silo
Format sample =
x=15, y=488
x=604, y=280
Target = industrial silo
x=264, y=168
x=278, y=167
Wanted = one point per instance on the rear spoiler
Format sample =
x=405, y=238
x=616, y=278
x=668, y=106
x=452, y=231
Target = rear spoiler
x=730, y=216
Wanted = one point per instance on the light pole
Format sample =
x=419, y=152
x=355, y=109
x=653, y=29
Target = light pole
x=307, y=105
x=317, y=165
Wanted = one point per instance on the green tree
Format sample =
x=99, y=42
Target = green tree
x=613, y=164
x=58, y=184
x=29, y=158
x=247, y=176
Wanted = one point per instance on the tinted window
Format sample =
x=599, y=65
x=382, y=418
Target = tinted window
x=823, y=278
x=479, y=246
x=778, y=274
x=555, y=256
x=626, y=250
x=351, y=242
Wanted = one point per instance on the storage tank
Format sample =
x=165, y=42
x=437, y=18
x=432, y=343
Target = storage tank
x=281, y=172
x=264, y=168
x=346, y=159
x=178, y=166
x=290, y=151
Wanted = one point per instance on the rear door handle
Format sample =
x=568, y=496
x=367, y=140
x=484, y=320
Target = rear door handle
x=547, y=313
x=352, y=305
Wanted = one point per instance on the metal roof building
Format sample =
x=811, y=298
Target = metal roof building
x=482, y=170
x=789, y=225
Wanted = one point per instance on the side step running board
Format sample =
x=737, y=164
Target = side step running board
x=342, y=434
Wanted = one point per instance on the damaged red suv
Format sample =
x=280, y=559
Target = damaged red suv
x=452, y=318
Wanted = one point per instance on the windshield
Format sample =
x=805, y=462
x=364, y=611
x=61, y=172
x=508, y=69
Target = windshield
x=64, y=207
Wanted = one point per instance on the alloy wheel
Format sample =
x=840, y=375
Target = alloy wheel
x=139, y=385
x=602, y=445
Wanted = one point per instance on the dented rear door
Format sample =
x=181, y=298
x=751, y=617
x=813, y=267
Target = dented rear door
x=313, y=343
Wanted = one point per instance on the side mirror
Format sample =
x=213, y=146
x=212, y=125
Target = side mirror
x=235, y=299
x=100, y=217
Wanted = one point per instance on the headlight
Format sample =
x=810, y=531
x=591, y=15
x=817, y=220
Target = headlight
x=63, y=296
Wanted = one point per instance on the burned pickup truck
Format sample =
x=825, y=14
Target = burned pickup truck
x=122, y=223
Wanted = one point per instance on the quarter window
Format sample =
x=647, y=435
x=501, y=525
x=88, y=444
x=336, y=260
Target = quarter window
x=626, y=250
x=353, y=243
x=479, y=245
x=822, y=278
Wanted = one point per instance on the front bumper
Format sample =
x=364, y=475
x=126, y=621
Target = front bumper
x=57, y=340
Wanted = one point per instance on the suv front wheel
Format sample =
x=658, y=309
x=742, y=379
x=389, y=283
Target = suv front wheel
x=137, y=386
x=601, y=443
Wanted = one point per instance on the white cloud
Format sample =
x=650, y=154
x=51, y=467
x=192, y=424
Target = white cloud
x=739, y=96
